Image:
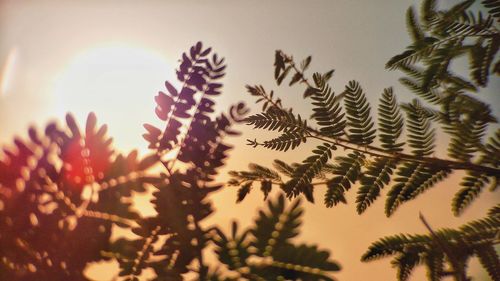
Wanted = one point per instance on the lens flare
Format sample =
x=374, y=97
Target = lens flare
x=8, y=70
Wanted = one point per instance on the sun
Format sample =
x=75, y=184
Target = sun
x=118, y=83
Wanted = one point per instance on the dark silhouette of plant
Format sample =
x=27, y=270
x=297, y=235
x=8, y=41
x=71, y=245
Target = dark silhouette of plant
x=476, y=238
x=59, y=189
x=416, y=170
x=399, y=150
x=265, y=252
x=62, y=193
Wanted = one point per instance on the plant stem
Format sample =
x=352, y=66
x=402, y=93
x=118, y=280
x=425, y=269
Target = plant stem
x=144, y=253
x=302, y=76
x=398, y=156
x=181, y=143
x=171, y=114
x=108, y=217
x=202, y=272
x=458, y=267
x=289, y=59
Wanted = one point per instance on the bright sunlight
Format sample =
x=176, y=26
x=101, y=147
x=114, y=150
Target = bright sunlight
x=118, y=83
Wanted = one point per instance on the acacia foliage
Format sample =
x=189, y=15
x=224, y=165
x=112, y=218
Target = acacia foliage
x=407, y=160
x=266, y=250
x=474, y=239
x=60, y=188
x=397, y=150
x=64, y=192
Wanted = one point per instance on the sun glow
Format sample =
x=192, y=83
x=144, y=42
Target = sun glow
x=116, y=82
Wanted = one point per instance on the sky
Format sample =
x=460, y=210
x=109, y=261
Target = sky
x=112, y=57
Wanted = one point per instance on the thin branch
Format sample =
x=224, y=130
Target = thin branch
x=290, y=60
x=181, y=143
x=280, y=182
x=304, y=80
x=82, y=211
x=171, y=114
x=108, y=217
x=143, y=254
x=458, y=267
x=398, y=156
x=380, y=152
x=203, y=269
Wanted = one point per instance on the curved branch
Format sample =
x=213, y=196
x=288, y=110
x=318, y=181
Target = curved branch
x=380, y=152
x=398, y=156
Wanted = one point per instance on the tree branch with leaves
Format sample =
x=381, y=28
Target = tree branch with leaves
x=397, y=151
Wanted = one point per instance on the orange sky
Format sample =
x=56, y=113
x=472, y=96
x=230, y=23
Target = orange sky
x=112, y=57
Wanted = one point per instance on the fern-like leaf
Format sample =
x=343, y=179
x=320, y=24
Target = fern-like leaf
x=269, y=253
x=429, y=95
x=301, y=262
x=466, y=138
x=482, y=230
x=283, y=167
x=390, y=122
x=481, y=57
x=377, y=176
x=394, y=244
x=428, y=11
x=413, y=179
x=413, y=25
x=327, y=110
x=405, y=263
x=420, y=134
x=473, y=183
x=489, y=259
x=288, y=140
x=232, y=251
x=273, y=230
x=494, y=8
x=474, y=238
x=359, y=121
x=269, y=103
x=434, y=261
x=277, y=121
x=309, y=168
x=491, y=150
x=347, y=171
x=257, y=174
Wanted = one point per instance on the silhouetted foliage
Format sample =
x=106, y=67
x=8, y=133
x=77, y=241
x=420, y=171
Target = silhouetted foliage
x=59, y=189
x=351, y=127
x=476, y=238
x=63, y=192
x=266, y=252
x=399, y=151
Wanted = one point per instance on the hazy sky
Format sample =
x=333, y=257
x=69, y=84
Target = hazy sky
x=111, y=57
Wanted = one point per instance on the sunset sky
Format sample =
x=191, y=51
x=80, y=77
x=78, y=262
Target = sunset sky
x=112, y=57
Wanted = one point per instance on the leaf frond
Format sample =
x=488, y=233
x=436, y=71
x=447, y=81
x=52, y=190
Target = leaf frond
x=327, y=110
x=359, y=121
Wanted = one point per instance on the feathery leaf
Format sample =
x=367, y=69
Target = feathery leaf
x=309, y=168
x=359, y=121
x=390, y=122
x=347, y=171
x=327, y=110
x=377, y=176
